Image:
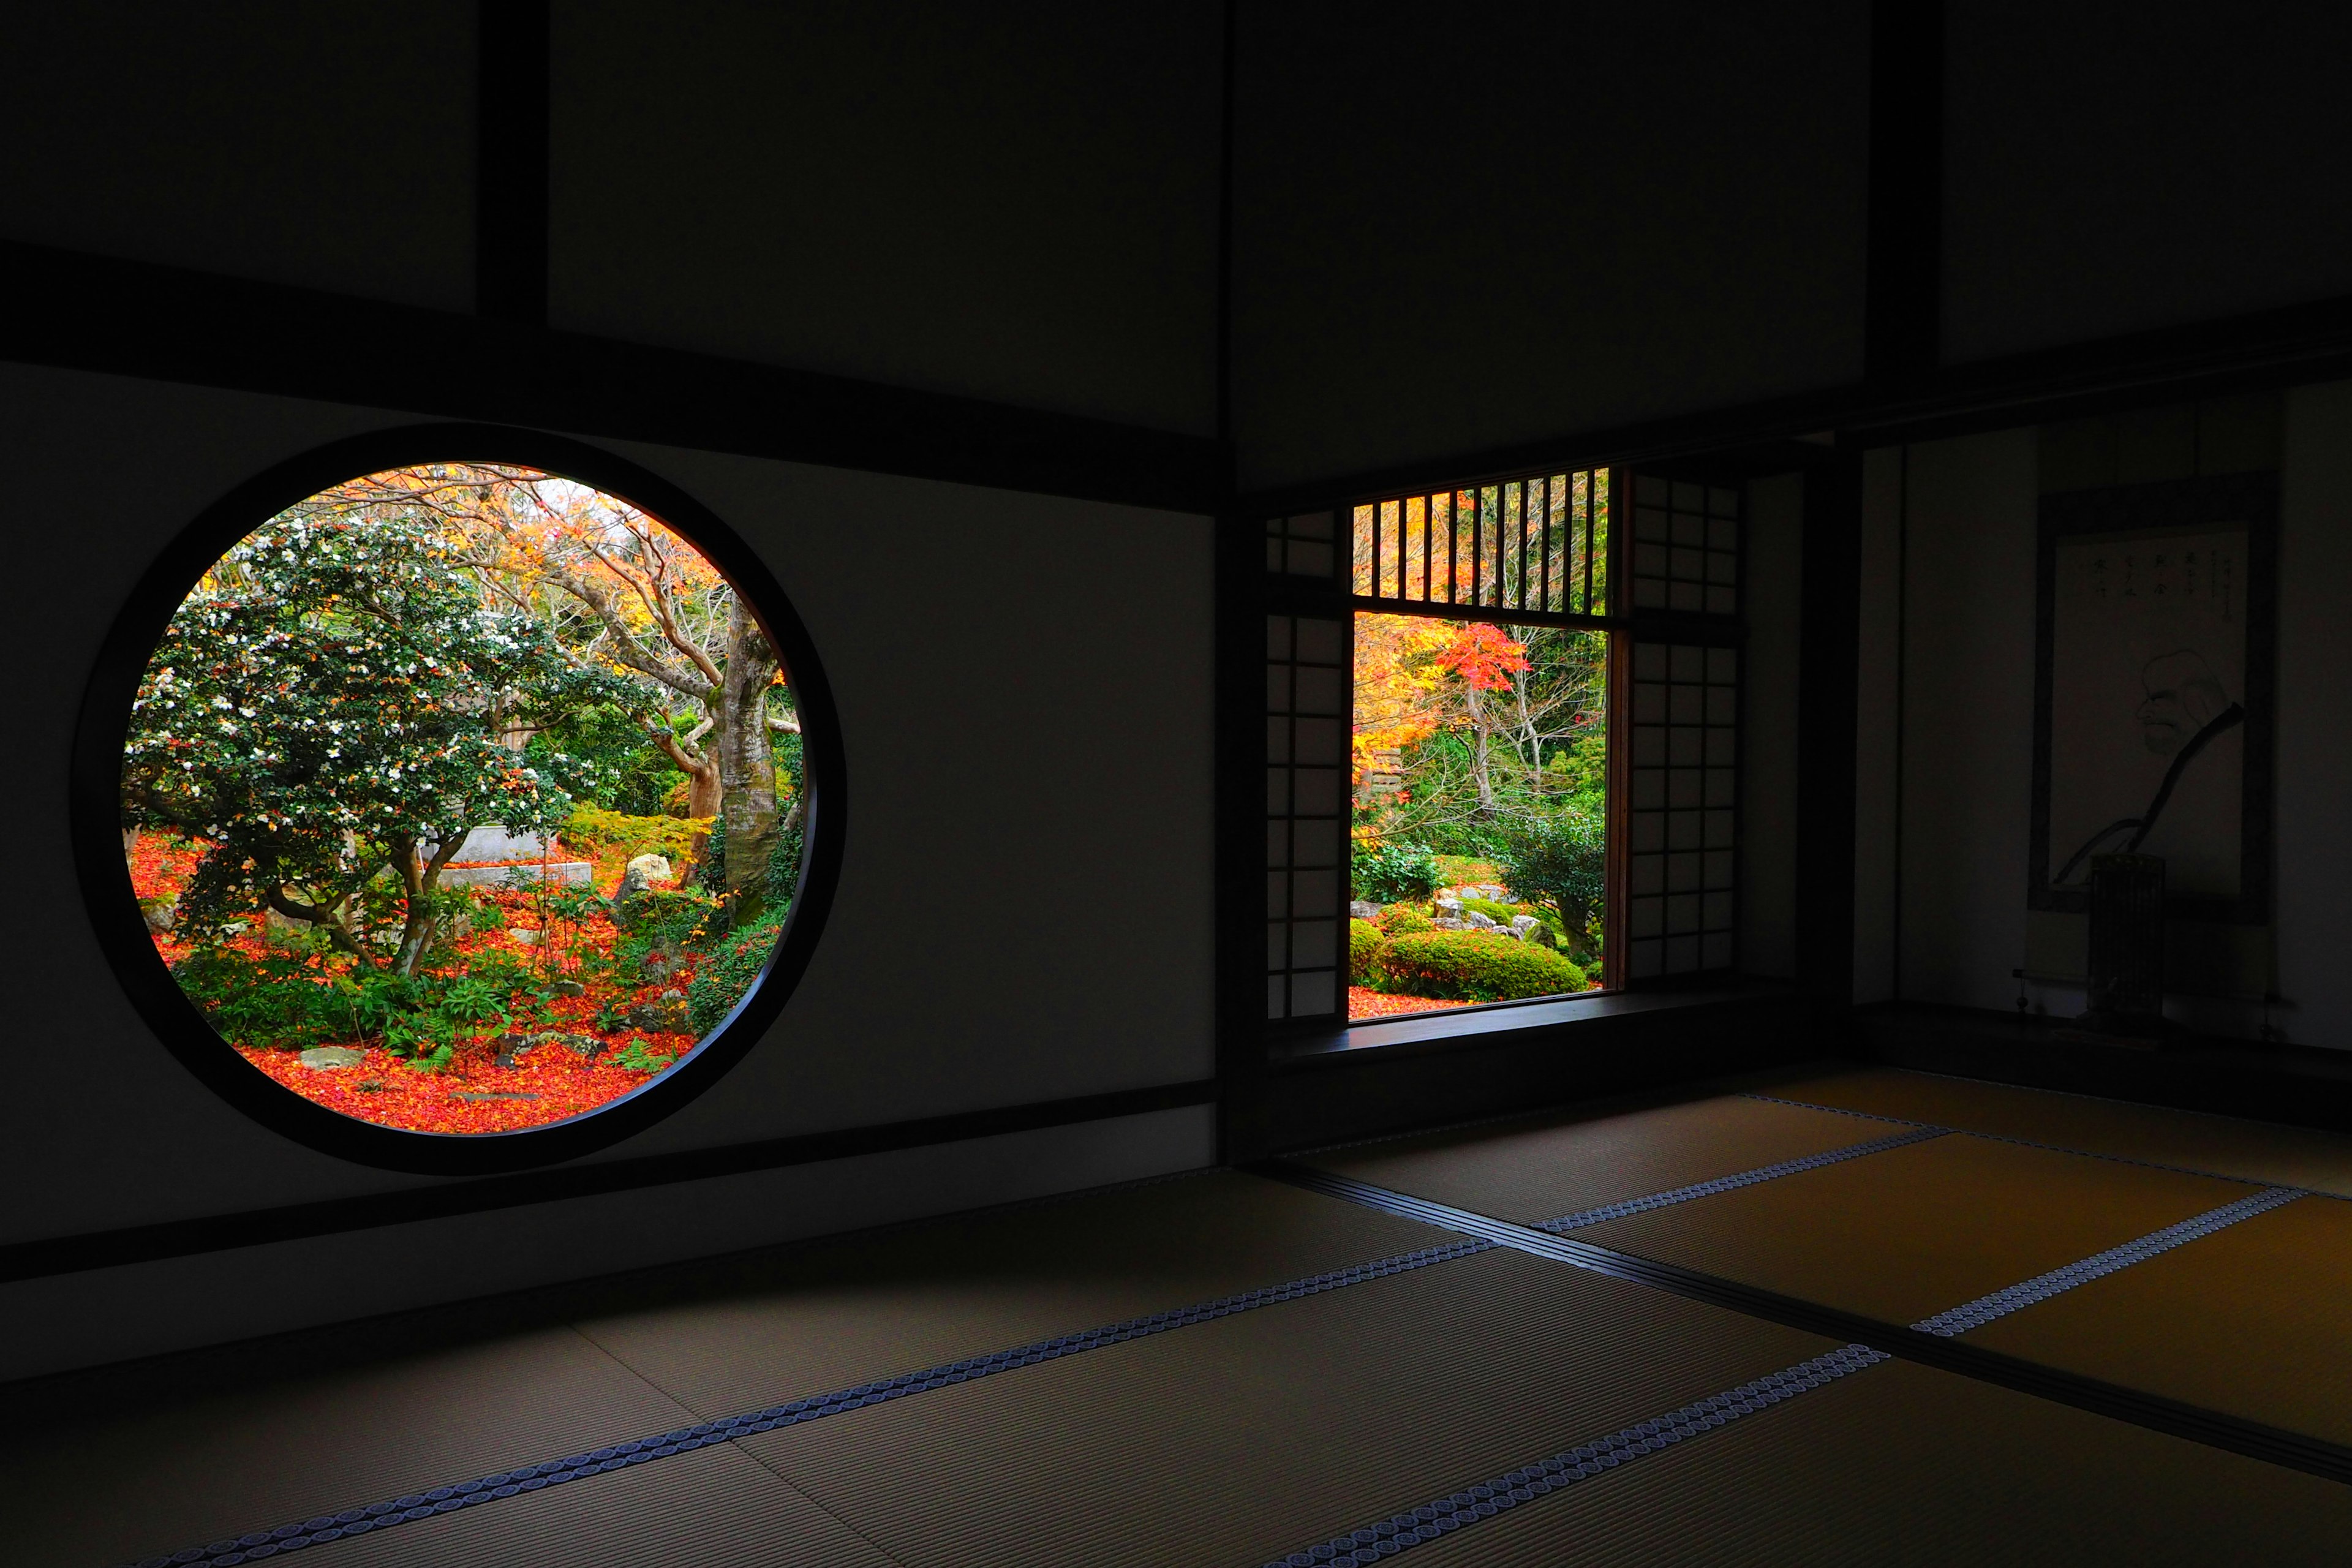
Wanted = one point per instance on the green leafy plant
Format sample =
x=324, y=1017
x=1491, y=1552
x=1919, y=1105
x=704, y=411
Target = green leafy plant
x=1392, y=871
x=1479, y=966
x=723, y=976
x=636, y=1057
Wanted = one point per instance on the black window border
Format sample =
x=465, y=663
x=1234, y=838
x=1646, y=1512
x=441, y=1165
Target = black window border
x=94, y=787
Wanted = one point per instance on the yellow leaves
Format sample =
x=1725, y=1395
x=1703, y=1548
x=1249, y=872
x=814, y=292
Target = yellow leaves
x=1400, y=698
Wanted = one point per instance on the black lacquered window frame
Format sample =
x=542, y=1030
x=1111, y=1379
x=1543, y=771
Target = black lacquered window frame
x=96, y=813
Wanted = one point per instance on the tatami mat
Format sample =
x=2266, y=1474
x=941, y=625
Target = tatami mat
x=1900, y=1465
x=2253, y=1150
x=836, y=1316
x=149, y=1483
x=1248, y=1437
x=1529, y=1172
x=2254, y=1320
x=1909, y=1232
x=717, y=1508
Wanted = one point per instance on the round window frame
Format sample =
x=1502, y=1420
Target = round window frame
x=96, y=802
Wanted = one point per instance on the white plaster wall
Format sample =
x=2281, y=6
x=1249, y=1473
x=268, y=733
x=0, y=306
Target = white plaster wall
x=1968, y=716
x=1876, y=705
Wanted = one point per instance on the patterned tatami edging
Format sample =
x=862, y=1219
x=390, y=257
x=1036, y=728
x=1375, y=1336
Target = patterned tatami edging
x=261, y=1545
x=1583, y=1217
x=1432, y=1520
x=2294, y=1450
x=1975, y=1314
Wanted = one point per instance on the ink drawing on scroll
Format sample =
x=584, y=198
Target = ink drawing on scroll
x=2147, y=700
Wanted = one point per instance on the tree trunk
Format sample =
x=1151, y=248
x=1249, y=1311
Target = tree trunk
x=418, y=878
x=747, y=763
x=1481, y=769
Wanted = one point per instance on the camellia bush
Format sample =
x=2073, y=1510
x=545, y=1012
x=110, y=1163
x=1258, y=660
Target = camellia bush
x=323, y=712
x=1477, y=966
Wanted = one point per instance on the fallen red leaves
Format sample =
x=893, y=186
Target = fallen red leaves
x=386, y=1090
x=548, y=1082
x=1365, y=1003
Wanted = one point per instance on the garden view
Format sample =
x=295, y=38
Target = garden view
x=464, y=798
x=1480, y=776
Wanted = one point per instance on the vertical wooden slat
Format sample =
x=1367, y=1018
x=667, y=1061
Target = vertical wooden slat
x=1519, y=595
x=1591, y=531
x=1544, y=599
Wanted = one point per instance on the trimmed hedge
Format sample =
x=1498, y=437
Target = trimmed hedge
x=1404, y=920
x=1366, y=948
x=1479, y=966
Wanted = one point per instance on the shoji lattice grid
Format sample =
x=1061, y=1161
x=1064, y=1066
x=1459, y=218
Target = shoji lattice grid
x=1682, y=817
x=1301, y=546
x=1305, y=808
x=1685, y=546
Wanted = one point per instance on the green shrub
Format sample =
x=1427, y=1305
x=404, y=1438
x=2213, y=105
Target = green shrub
x=1558, y=862
x=1366, y=947
x=669, y=918
x=1403, y=920
x=1502, y=914
x=722, y=977
x=1479, y=966
x=1392, y=871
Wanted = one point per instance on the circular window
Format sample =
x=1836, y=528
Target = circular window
x=465, y=809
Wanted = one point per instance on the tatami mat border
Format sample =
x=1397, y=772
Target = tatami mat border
x=1431, y=1520
x=1707, y=1189
x=2294, y=1450
x=1975, y=1314
x=261, y=1545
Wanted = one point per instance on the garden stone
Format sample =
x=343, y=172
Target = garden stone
x=1450, y=906
x=526, y=937
x=1362, y=910
x=665, y=1017
x=162, y=916
x=332, y=1059
x=1478, y=921
x=1447, y=922
x=569, y=988
x=1525, y=926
